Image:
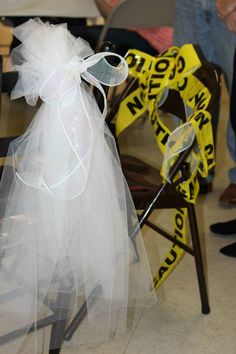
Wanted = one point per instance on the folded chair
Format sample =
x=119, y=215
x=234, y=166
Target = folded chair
x=146, y=183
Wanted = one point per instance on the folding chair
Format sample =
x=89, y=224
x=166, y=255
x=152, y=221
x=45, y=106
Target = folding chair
x=145, y=181
x=149, y=193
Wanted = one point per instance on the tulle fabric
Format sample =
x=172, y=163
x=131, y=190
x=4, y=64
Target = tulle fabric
x=66, y=211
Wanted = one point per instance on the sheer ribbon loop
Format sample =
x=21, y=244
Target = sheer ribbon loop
x=95, y=70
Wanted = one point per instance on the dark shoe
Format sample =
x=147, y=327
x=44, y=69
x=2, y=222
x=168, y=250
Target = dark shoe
x=224, y=228
x=229, y=250
x=228, y=197
x=205, y=187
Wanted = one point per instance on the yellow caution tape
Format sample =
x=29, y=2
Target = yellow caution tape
x=174, y=70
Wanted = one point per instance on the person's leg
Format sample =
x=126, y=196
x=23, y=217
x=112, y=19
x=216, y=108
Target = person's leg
x=228, y=197
x=232, y=146
x=232, y=126
x=224, y=44
x=232, y=172
x=191, y=25
x=198, y=22
x=233, y=95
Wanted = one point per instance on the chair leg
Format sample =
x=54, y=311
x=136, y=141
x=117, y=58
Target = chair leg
x=59, y=327
x=75, y=322
x=57, y=336
x=198, y=259
x=55, y=351
x=81, y=314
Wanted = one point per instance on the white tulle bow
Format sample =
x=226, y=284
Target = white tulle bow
x=67, y=212
x=53, y=69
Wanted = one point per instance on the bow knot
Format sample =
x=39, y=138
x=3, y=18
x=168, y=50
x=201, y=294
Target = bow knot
x=63, y=80
x=76, y=67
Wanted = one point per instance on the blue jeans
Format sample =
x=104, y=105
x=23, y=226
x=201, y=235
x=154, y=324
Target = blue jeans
x=197, y=22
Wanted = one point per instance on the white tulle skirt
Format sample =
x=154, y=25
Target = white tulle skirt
x=66, y=211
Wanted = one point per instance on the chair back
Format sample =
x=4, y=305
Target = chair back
x=139, y=13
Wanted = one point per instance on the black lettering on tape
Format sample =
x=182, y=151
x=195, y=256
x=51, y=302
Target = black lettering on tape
x=200, y=100
x=162, y=270
x=173, y=72
x=179, y=221
x=155, y=282
x=140, y=65
x=152, y=85
x=191, y=190
x=210, y=162
x=152, y=97
x=202, y=120
x=159, y=130
x=153, y=117
x=182, y=84
x=178, y=234
x=135, y=106
x=180, y=64
x=164, y=139
x=158, y=76
x=162, y=65
x=209, y=149
x=170, y=261
x=131, y=60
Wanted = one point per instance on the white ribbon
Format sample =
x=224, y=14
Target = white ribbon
x=62, y=91
x=179, y=140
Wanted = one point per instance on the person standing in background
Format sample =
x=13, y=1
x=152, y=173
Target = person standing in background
x=227, y=12
x=121, y=38
x=198, y=22
x=159, y=38
x=149, y=40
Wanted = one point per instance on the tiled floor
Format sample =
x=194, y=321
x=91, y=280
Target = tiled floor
x=175, y=325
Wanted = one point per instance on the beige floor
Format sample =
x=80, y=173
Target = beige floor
x=175, y=325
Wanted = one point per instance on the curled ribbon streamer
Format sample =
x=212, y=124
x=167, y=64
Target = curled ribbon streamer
x=179, y=140
x=64, y=93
